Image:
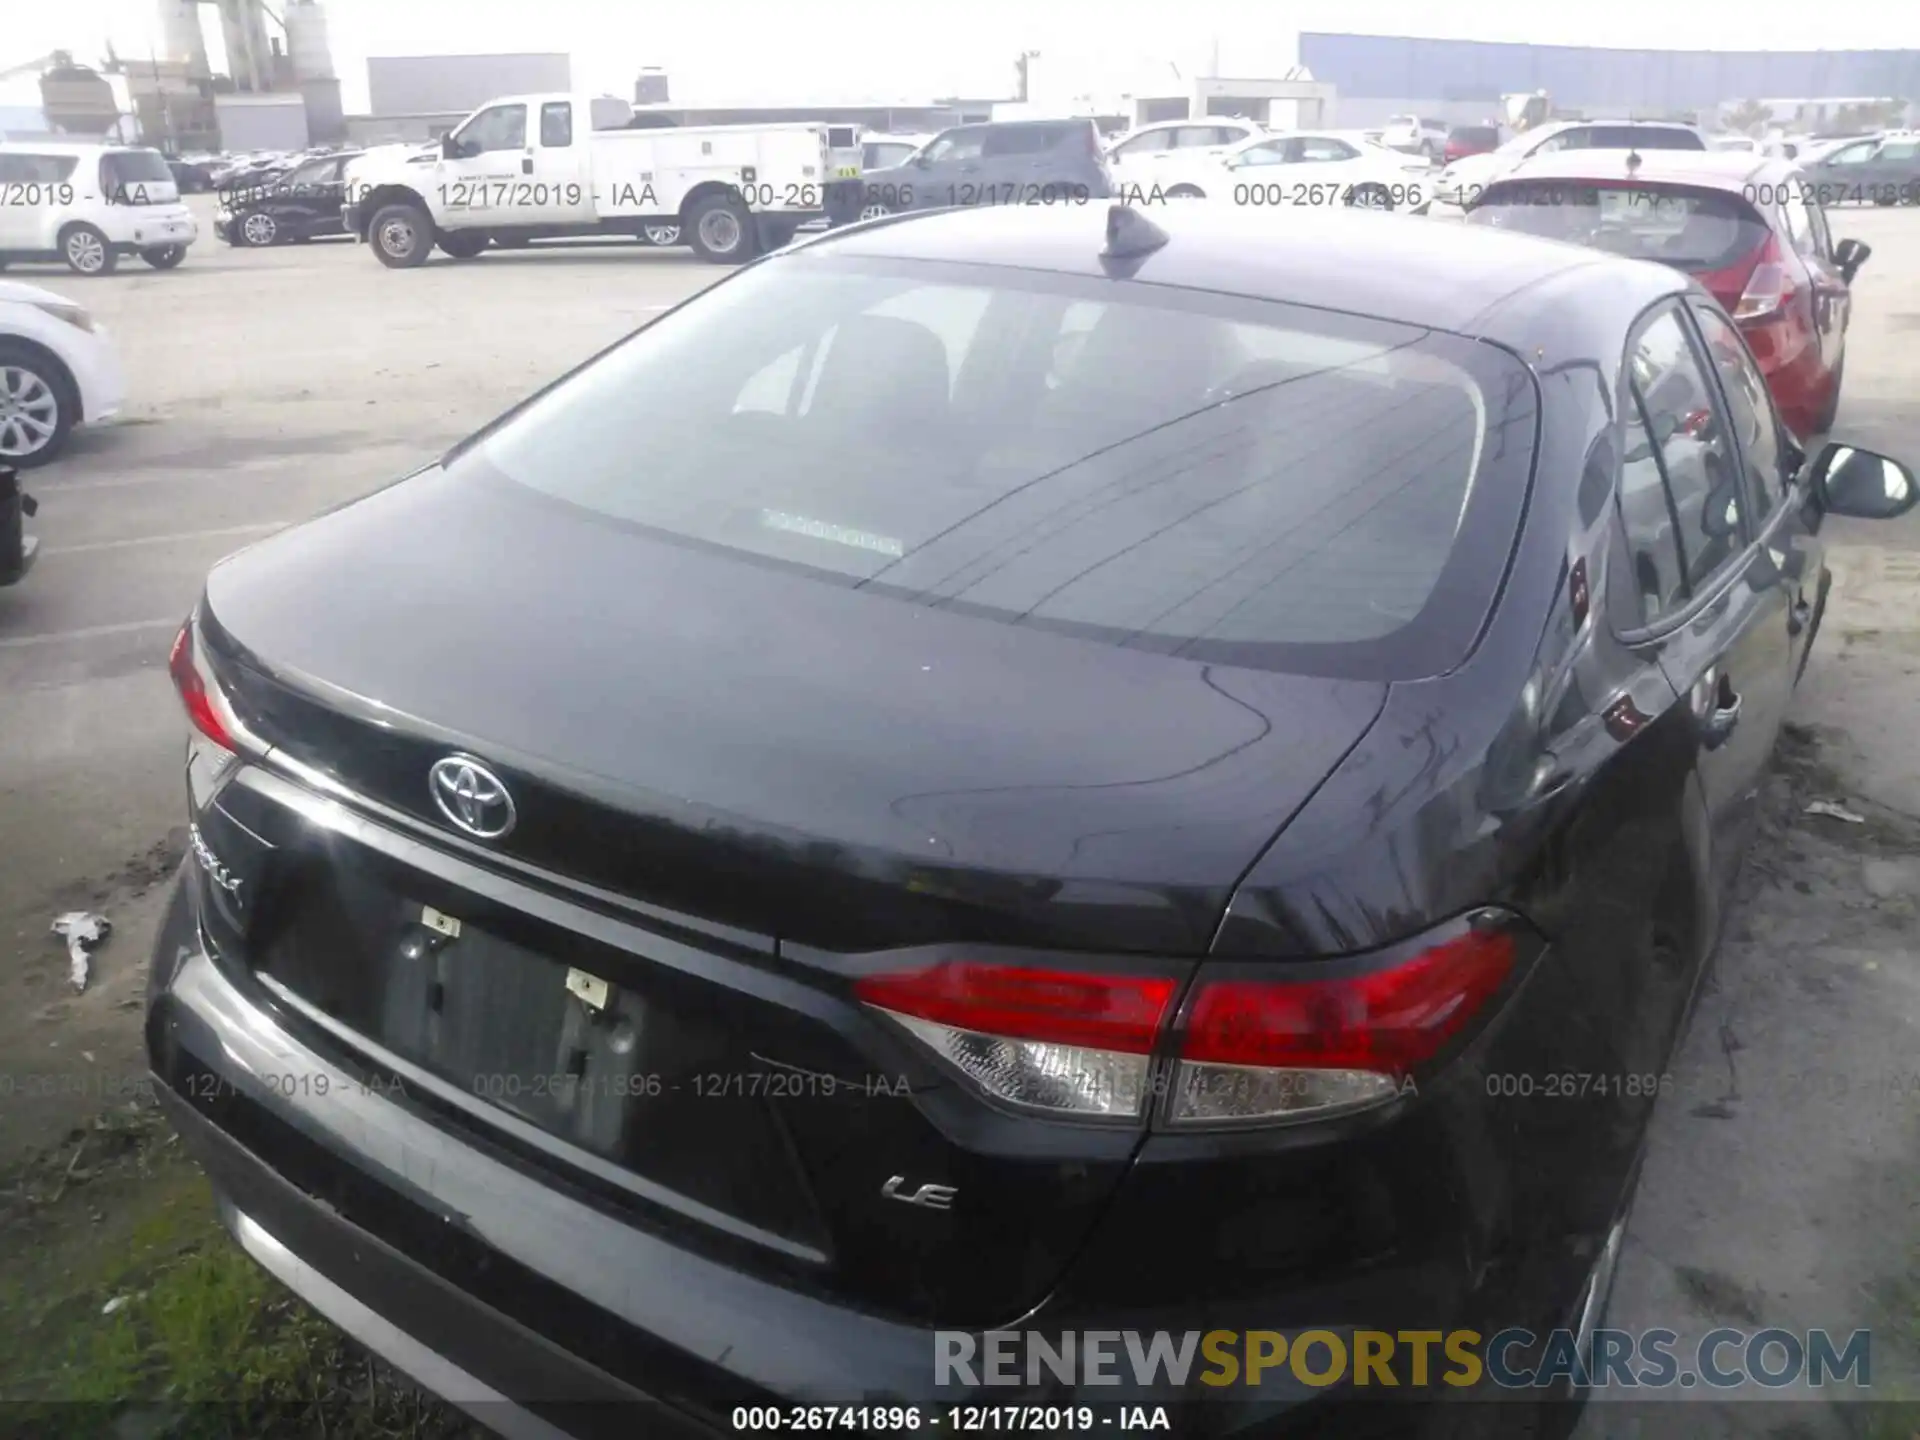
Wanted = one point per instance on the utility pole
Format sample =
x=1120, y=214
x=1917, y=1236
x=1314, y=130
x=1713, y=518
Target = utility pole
x=1020, y=70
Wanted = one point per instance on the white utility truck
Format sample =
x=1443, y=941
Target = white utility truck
x=531, y=167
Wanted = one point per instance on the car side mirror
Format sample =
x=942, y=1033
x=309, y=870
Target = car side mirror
x=1863, y=485
x=1849, y=256
x=921, y=162
x=454, y=148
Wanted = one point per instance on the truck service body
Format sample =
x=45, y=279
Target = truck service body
x=527, y=167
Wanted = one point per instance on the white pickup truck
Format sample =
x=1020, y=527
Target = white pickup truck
x=530, y=167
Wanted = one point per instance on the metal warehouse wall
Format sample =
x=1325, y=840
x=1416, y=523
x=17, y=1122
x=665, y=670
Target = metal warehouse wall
x=425, y=84
x=1391, y=73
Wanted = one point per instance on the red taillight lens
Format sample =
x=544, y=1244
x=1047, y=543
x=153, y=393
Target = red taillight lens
x=1113, y=1012
x=195, y=692
x=1257, y=1050
x=1068, y=1042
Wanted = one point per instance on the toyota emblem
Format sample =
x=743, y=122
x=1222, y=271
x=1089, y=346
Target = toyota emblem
x=472, y=797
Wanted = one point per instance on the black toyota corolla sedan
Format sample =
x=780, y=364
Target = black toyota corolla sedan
x=1031, y=769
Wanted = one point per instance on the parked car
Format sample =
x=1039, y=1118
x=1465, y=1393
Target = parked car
x=1884, y=170
x=1137, y=157
x=251, y=171
x=18, y=548
x=1003, y=162
x=1301, y=167
x=88, y=205
x=1415, y=134
x=58, y=369
x=1191, y=832
x=192, y=176
x=1465, y=140
x=1748, y=227
x=303, y=204
x=1461, y=182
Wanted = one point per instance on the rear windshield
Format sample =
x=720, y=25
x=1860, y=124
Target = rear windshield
x=137, y=177
x=1206, y=475
x=135, y=167
x=1646, y=137
x=1694, y=230
x=1475, y=135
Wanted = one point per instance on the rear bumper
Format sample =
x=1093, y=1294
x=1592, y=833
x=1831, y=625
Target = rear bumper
x=541, y=1312
x=463, y=1269
x=302, y=1244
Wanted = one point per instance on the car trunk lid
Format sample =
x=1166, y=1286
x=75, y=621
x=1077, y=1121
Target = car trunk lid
x=739, y=791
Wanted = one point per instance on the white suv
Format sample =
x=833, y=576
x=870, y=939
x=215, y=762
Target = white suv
x=88, y=205
x=1415, y=135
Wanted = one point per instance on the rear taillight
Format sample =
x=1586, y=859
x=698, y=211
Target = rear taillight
x=1769, y=287
x=1070, y=1042
x=1250, y=1049
x=1273, y=1050
x=1454, y=151
x=198, y=692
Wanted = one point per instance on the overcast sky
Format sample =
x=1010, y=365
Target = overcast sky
x=787, y=50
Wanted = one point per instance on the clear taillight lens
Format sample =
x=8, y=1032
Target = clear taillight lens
x=1073, y=1043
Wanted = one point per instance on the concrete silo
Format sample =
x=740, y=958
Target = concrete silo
x=312, y=58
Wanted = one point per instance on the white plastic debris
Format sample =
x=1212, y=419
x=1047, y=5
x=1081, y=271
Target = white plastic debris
x=1833, y=809
x=112, y=1305
x=84, y=931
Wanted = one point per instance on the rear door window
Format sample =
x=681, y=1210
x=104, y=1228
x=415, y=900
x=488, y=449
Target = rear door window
x=1151, y=143
x=28, y=169
x=556, y=125
x=1652, y=524
x=1325, y=147
x=1691, y=437
x=1273, y=152
x=1749, y=410
x=1179, y=472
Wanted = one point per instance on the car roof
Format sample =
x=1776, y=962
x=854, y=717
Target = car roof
x=1714, y=169
x=1465, y=279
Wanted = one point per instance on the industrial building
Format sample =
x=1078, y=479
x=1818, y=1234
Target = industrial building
x=1461, y=81
x=417, y=97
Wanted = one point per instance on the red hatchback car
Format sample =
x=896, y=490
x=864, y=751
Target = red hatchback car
x=1749, y=227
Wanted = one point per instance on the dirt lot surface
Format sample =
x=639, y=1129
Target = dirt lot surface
x=1783, y=1186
